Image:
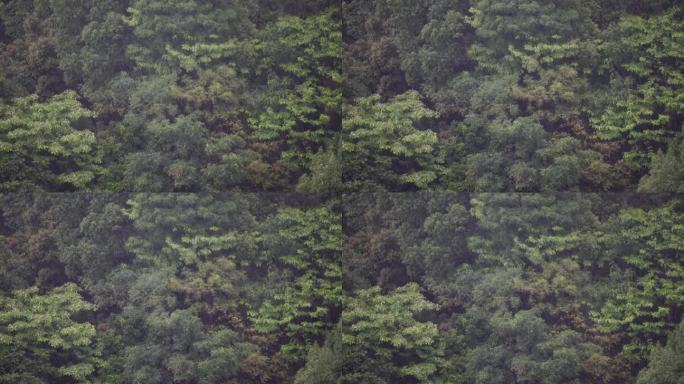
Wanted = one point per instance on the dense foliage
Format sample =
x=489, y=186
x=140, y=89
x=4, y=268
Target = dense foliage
x=524, y=95
x=403, y=139
x=165, y=288
x=467, y=95
x=160, y=96
x=511, y=288
x=407, y=288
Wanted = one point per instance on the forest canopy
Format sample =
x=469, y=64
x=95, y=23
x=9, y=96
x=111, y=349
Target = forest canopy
x=341, y=192
x=376, y=288
x=323, y=96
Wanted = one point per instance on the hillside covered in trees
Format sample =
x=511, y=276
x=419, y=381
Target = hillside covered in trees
x=165, y=288
x=511, y=288
x=341, y=192
x=522, y=95
x=403, y=288
x=161, y=96
x=321, y=96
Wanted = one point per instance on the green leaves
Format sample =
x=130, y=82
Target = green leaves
x=40, y=147
x=386, y=325
x=650, y=243
x=336, y=100
x=304, y=306
x=649, y=55
x=388, y=320
x=39, y=333
x=505, y=28
x=386, y=135
x=162, y=28
x=517, y=277
x=522, y=349
x=302, y=56
x=665, y=362
x=665, y=174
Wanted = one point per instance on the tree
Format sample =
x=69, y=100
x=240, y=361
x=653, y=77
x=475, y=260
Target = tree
x=304, y=308
x=302, y=100
x=504, y=27
x=647, y=111
x=382, y=143
x=325, y=175
x=104, y=64
x=41, y=340
x=386, y=326
x=198, y=240
x=522, y=350
x=665, y=174
x=337, y=362
x=178, y=349
x=665, y=363
x=162, y=27
x=42, y=147
x=29, y=56
x=647, y=244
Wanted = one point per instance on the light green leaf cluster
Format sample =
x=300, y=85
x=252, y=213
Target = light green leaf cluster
x=39, y=143
x=387, y=134
x=305, y=79
x=39, y=329
x=387, y=324
x=642, y=117
x=302, y=309
x=644, y=310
